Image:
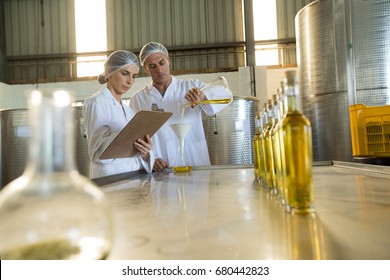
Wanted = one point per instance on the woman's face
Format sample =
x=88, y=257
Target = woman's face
x=121, y=81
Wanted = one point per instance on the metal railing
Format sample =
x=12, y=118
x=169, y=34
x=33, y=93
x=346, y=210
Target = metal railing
x=184, y=60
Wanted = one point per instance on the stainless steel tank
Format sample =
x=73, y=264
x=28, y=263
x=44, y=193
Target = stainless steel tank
x=343, y=59
x=81, y=145
x=15, y=135
x=229, y=133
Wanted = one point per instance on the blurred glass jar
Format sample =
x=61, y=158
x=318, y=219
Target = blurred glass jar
x=51, y=211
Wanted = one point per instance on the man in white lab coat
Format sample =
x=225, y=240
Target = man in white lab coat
x=166, y=92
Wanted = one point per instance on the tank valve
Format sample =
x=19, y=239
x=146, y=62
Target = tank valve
x=215, y=124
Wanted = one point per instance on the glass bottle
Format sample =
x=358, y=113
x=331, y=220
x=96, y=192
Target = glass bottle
x=51, y=211
x=264, y=121
x=297, y=157
x=279, y=128
x=269, y=163
x=257, y=151
x=275, y=143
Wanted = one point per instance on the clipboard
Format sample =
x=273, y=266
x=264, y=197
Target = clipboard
x=143, y=122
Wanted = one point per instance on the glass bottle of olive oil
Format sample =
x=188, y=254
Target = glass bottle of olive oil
x=269, y=163
x=275, y=143
x=297, y=157
x=257, y=149
x=51, y=211
x=279, y=128
x=264, y=159
x=263, y=120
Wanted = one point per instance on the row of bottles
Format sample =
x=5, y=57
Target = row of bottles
x=282, y=149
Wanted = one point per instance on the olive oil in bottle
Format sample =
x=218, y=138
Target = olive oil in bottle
x=279, y=128
x=263, y=117
x=297, y=139
x=257, y=149
x=264, y=159
x=275, y=143
x=269, y=157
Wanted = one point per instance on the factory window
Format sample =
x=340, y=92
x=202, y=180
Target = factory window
x=90, y=36
x=265, y=27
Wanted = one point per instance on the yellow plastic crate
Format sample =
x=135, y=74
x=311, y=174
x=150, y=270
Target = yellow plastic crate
x=370, y=130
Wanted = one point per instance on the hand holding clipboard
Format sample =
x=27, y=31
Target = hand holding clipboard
x=143, y=123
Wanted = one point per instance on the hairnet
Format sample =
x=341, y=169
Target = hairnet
x=151, y=48
x=117, y=60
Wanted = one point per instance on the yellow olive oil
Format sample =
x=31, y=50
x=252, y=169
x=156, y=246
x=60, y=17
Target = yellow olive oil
x=276, y=154
x=256, y=155
x=215, y=101
x=257, y=150
x=182, y=168
x=306, y=228
x=263, y=159
x=54, y=250
x=93, y=248
x=297, y=140
x=279, y=131
x=269, y=157
x=275, y=144
x=298, y=163
x=49, y=250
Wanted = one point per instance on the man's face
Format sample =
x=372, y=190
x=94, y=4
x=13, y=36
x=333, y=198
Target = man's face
x=157, y=65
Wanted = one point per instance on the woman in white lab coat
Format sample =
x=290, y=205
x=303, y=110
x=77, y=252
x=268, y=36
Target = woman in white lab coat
x=166, y=92
x=105, y=115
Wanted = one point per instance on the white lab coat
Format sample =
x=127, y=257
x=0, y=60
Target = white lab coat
x=104, y=118
x=165, y=141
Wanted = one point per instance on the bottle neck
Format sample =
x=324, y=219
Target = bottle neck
x=293, y=102
x=264, y=119
x=258, y=124
x=276, y=112
x=270, y=118
x=52, y=141
x=282, y=102
x=270, y=114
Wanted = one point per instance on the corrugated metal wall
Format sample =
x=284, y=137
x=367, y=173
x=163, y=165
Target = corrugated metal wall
x=186, y=27
x=173, y=22
x=286, y=11
x=133, y=23
x=39, y=27
x=202, y=35
x=34, y=30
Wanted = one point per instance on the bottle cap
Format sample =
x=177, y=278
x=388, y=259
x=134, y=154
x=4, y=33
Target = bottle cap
x=291, y=76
